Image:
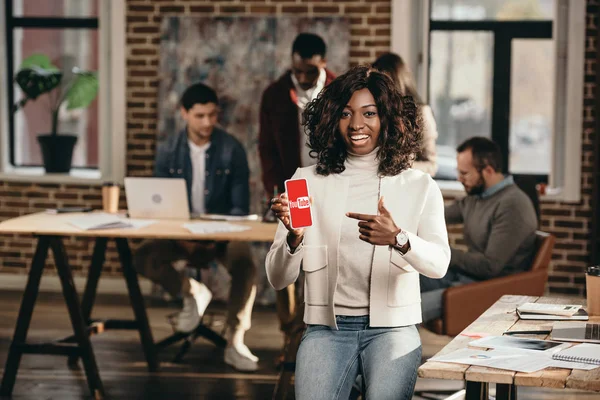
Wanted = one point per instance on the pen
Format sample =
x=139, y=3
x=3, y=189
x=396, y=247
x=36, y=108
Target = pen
x=541, y=332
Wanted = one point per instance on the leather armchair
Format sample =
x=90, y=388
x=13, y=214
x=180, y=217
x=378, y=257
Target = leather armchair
x=464, y=304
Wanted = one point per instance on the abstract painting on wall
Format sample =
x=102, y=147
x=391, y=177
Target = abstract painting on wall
x=238, y=57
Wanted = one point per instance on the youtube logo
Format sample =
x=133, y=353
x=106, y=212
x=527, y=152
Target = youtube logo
x=301, y=202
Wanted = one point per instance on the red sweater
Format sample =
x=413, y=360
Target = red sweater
x=279, y=134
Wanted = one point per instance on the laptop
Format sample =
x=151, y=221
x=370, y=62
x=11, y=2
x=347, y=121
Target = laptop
x=576, y=332
x=157, y=198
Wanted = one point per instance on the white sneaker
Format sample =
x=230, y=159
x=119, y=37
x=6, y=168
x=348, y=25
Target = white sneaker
x=240, y=361
x=194, y=306
x=245, y=351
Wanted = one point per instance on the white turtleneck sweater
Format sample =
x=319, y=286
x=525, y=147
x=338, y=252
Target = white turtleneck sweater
x=355, y=256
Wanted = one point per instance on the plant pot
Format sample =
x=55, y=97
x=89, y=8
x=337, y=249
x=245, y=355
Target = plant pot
x=57, y=152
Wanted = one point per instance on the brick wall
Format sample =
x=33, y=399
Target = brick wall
x=370, y=35
x=571, y=223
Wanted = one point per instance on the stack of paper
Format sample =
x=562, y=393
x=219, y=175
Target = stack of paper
x=514, y=354
x=95, y=221
x=214, y=227
x=497, y=358
x=509, y=359
x=223, y=217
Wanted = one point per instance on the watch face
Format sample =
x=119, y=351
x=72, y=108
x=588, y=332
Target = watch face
x=402, y=238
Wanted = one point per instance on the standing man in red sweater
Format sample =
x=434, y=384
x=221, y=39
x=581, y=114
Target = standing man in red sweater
x=282, y=142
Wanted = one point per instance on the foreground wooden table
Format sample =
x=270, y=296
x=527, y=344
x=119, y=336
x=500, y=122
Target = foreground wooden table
x=50, y=229
x=499, y=318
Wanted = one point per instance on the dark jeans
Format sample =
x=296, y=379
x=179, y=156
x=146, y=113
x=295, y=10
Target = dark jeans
x=432, y=291
x=154, y=260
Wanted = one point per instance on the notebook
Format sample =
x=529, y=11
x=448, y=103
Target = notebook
x=586, y=353
x=576, y=332
x=580, y=315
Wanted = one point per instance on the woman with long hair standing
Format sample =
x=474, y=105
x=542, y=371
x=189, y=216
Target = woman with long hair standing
x=393, y=65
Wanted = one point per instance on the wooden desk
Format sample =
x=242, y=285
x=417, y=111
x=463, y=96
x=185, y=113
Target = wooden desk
x=499, y=318
x=58, y=225
x=50, y=229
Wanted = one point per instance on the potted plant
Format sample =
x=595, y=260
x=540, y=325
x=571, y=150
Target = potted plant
x=37, y=76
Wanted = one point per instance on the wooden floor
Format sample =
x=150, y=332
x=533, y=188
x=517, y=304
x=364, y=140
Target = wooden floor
x=201, y=375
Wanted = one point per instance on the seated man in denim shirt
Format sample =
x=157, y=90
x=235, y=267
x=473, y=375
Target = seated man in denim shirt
x=499, y=224
x=215, y=168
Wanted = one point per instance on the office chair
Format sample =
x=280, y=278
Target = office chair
x=202, y=330
x=188, y=338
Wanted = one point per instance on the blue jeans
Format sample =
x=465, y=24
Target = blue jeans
x=329, y=360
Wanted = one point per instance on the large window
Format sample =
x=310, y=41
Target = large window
x=491, y=73
x=67, y=32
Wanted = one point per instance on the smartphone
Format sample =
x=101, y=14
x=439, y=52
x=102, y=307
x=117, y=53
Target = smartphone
x=299, y=203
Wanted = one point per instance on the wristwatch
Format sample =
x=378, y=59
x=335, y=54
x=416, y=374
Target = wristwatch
x=401, y=239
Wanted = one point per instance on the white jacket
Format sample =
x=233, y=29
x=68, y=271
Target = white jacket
x=417, y=206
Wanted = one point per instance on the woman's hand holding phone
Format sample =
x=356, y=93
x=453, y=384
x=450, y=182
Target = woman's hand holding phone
x=281, y=209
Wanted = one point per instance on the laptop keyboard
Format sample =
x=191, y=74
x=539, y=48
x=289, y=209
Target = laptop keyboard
x=592, y=331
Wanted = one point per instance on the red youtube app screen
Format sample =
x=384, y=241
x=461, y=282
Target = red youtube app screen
x=299, y=203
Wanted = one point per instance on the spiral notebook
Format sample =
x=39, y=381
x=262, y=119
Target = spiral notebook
x=586, y=353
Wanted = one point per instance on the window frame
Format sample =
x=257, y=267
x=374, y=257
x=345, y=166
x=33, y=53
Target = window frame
x=503, y=33
x=12, y=23
x=569, y=32
x=112, y=97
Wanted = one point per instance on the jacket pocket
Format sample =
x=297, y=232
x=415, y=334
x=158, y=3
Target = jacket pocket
x=314, y=265
x=403, y=282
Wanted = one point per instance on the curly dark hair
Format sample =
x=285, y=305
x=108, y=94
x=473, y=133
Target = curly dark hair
x=400, y=134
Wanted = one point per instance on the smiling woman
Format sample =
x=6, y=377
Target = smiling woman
x=361, y=259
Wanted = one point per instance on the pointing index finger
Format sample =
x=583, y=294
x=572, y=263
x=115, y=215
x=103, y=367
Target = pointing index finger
x=362, y=217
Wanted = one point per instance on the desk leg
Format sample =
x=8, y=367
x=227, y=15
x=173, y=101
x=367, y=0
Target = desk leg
x=89, y=295
x=79, y=326
x=137, y=303
x=506, y=392
x=477, y=390
x=24, y=318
